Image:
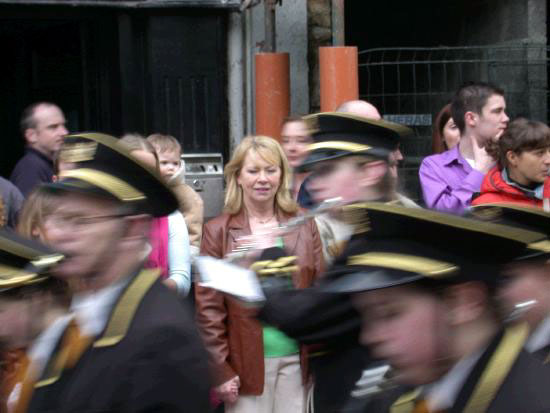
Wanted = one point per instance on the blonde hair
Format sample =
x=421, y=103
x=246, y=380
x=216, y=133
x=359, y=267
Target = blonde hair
x=37, y=206
x=164, y=143
x=135, y=142
x=270, y=150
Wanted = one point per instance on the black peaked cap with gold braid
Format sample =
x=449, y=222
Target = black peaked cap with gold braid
x=404, y=245
x=524, y=217
x=104, y=167
x=23, y=261
x=342, y=134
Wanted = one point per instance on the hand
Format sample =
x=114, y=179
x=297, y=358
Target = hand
x=482, y=160
x=229, y=391
x=171, y=284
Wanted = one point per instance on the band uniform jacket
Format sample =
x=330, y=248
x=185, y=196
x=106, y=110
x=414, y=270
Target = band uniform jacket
x=520, y=386
x=231, y=332
x=149, y=358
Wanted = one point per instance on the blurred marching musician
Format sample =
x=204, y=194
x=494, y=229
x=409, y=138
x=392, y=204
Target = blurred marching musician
x=349, y=161
x=524, y=286
x=427, y=308
x=132, y=346
x=32, y=315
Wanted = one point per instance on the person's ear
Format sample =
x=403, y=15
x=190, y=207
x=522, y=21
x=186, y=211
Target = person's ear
x=470, y=119
x=466, y=302
x=512, y=158
x=30, y=136
x=372, y=172
x=136, y=229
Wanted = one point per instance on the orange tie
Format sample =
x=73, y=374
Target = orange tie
x=74, y=344
x=72, y=347
x=16, y=363
x=421, y=406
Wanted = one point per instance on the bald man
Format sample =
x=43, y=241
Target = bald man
x=361, y=108
x=369, y=111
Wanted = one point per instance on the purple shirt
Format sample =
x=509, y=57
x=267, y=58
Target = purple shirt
x=448, y=181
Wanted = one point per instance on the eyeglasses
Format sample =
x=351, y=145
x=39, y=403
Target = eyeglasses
x=78, y=222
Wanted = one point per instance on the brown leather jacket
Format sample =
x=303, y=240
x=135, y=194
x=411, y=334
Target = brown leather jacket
x=232, y=334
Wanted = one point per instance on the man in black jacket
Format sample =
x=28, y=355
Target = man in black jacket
x=132, y=346
x=43, y=128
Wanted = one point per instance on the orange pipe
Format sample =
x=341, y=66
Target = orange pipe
x=272, y=92
x=338, y=75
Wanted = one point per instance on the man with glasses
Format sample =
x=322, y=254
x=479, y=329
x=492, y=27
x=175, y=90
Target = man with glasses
x=133, y=346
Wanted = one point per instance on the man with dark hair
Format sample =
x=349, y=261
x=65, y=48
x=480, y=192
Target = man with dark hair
x=524, y=163
x=134, y=346
x=43, y=127
x=450, y=179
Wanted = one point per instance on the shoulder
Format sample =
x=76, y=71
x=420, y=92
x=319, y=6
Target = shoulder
x=160, y=310
x=8, y=188
x=437, y=160
x=528, y=377
x=165, y=305
x=176, y=218
x=219, y=222
x=187, y=193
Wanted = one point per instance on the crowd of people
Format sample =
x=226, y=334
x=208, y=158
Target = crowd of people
x=370, y=301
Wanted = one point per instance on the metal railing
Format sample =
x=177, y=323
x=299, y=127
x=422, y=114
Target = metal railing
x=410, y=85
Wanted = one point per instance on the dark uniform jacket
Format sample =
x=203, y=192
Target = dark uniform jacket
x=331, y=325
x=156, y=365
x=519, y=387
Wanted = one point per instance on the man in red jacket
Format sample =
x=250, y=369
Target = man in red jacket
x=524, y=164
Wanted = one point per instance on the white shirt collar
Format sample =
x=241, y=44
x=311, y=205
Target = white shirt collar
x=42, y=347
x=442, y=394
x=92, y=309
x=540, y=337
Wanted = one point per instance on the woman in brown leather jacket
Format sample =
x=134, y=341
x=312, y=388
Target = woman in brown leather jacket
x=256, y=367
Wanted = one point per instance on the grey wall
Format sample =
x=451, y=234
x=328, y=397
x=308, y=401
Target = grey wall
x=291, y=28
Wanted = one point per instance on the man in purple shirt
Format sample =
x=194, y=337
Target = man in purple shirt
x=43, y=127
x=450, y=179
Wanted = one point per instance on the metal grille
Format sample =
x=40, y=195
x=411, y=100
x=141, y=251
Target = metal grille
x=410, y=86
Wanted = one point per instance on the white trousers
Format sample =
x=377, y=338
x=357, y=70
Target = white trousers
x=283, y=389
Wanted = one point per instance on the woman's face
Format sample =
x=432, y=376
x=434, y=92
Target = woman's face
x=295, y=140
x=451, y=134
x=259, y=179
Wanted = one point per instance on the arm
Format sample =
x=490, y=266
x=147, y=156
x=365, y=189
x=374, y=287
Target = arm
x=211, y=312
x=179, y=258
x=192, y=208
x=439, y=195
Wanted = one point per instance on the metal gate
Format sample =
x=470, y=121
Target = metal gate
x=410, y=86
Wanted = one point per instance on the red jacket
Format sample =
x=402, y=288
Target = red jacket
x=494, y=189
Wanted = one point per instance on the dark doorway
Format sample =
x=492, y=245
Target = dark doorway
x=116, y=71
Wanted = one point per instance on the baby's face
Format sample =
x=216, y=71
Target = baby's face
x=169, y=162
